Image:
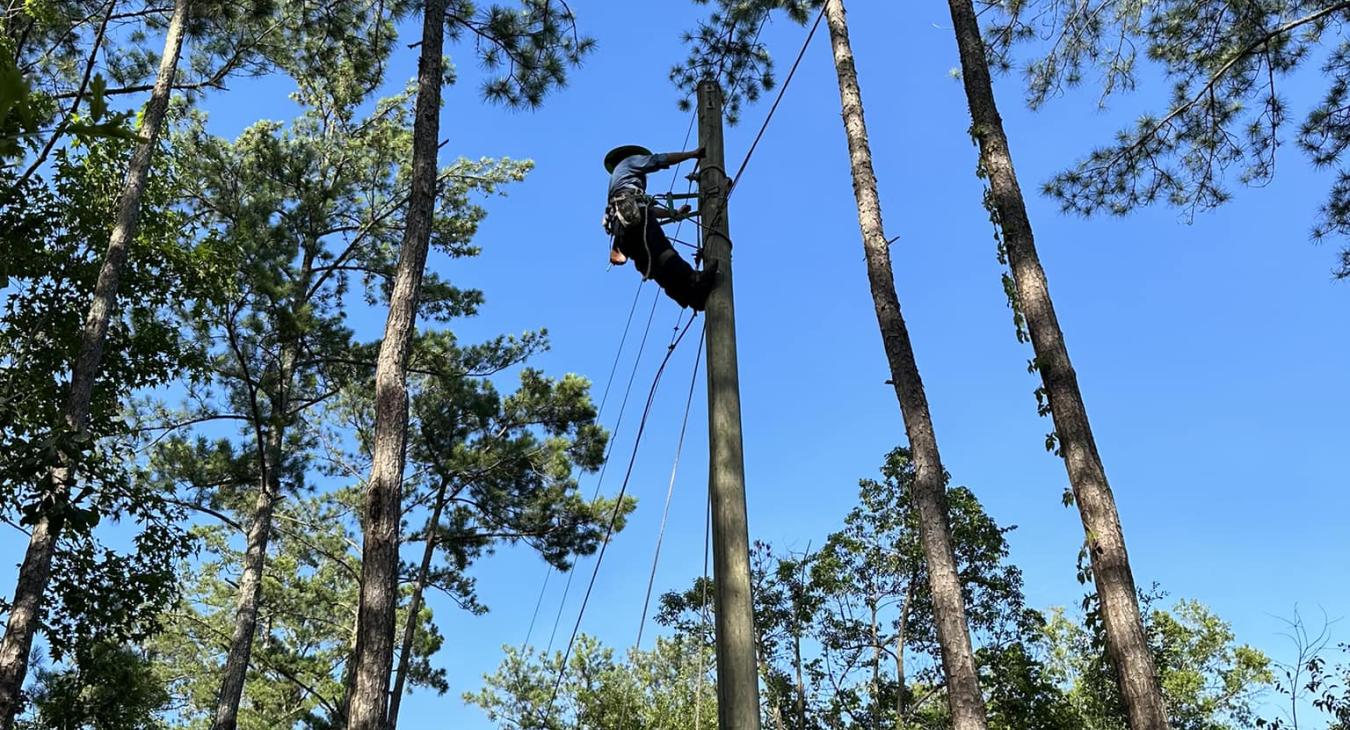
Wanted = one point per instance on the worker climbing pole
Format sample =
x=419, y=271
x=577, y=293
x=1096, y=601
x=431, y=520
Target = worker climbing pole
x=737, y=672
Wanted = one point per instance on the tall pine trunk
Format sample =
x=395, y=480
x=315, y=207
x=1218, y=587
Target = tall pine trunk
x=1125, y=637
x=929, y=489
x=379, y=557
x=35, y=572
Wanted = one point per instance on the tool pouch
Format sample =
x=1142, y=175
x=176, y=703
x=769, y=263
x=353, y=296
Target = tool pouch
x=625, y=210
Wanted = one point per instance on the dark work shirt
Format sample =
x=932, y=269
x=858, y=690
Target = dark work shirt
x=631, y=172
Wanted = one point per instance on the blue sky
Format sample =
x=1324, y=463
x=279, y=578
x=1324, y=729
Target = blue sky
x=1212, y=354
x=1209, y=353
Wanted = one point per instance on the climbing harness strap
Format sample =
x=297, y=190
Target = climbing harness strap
x=629, y=207
x=626, y=207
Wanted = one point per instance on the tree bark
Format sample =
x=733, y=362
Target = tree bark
x=415, y=605
x=379, y=560
x=929, y=489
x=1126, y=641
x=35, y=573
x=250, y=591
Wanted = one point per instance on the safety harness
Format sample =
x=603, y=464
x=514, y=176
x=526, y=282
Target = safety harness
x=628, y=207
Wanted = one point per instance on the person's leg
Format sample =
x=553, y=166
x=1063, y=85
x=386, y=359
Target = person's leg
x=688, y=287
x=631, y=244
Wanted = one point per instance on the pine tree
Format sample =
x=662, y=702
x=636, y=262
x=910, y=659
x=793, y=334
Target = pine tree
x=535, y=45
x=1030, y=294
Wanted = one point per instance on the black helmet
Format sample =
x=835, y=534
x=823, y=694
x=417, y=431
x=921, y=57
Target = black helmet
x=621, y=153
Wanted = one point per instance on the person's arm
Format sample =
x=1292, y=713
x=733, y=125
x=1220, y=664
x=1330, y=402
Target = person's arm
x=675, y=158
x=661, y=211
x=663, y=160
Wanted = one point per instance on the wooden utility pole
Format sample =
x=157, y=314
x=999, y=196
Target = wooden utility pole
x=737, y=670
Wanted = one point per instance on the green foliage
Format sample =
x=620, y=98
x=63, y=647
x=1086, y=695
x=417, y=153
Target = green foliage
x=1209, y=681
x=528, y=48
x=306, y=616
x=666, y=688
x=51, y=257
x=504, y=464
x=725, y=48
x=1329, y=686
x=109, y=687
x=1318, y=675
x=19, y=116
x=1227, y=114
x=854, y=619
x=49, y=89
x=313, y=212
x=846, y=636
x=1020, y=691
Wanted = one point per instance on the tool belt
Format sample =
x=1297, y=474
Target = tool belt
x=626, y=208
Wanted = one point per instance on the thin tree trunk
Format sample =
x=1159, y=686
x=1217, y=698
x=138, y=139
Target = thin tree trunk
x=270, y=443
x=35, y=573
x=348, y=679
x=929, y=490
x=901, y=634
x=1124, y=627
x=801, y=684
x=415, y=605
x=250, y=590
x=876, y=663
x=797, y=643
x=379, y=560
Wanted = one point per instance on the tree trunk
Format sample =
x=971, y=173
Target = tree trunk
x=958, y=659
x=1125, y=637
x=415, y=605
x=250, y=590
x=801, y=684
x=876, y=664
x=270, y=443
x=348, y=679
x=35, y=573
x=379, y=559
x=901, y=634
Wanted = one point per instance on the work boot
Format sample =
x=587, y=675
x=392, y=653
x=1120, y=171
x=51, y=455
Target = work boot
x=702, y=285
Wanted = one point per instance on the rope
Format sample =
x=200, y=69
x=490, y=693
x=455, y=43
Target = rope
x=699, y=225
x=670, y=490
x=614, y=516
x=781, y=91
x=623, y=408
x=604, y=399
x=674, y=178
x=703, y=613
x=537, y=605
x=665, y=513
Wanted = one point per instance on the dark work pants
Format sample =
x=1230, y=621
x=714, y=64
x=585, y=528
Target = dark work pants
x=655, y=258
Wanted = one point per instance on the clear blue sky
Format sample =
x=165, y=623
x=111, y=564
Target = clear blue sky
x=1212, y=355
